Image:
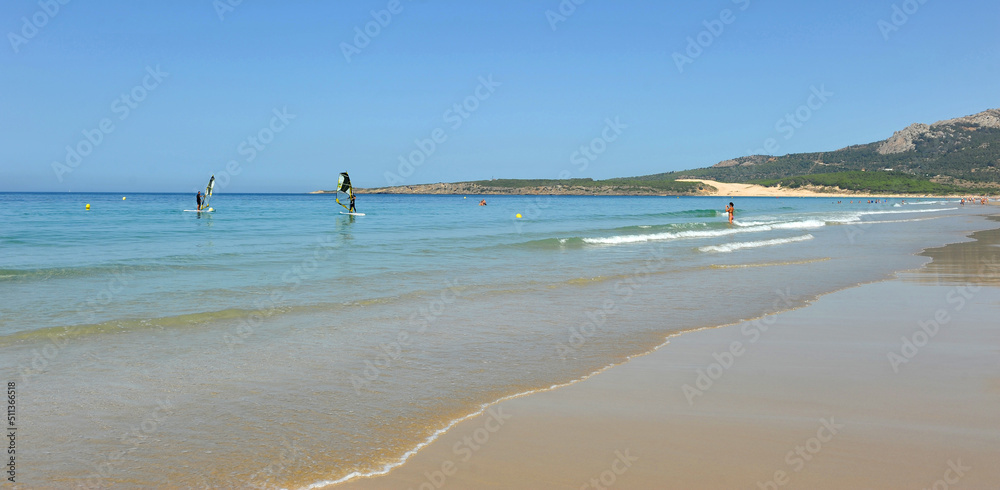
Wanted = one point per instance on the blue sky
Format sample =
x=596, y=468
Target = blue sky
x=288, y=94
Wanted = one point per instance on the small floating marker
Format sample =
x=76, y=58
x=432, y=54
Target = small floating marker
x=123, y=198
x=466, y=197
x=518, y=215
x=88, y=207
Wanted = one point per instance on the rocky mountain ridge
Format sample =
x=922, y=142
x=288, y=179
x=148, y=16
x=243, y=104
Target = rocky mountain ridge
x=903, y=140
x=962, y=151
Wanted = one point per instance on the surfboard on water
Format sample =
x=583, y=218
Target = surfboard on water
x=209, y=210
x=353, y=214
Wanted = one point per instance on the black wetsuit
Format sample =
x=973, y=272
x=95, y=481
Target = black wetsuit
x=199, y=200
x=352, y=205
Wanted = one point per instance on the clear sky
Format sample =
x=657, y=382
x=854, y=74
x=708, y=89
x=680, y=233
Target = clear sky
x=157, y=96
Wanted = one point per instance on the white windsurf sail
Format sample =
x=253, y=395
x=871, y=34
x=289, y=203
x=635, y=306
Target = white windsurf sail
x=208, y=193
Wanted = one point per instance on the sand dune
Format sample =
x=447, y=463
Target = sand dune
x=753, y=190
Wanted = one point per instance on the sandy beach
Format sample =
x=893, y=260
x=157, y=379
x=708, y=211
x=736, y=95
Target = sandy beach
x=892, y=384
x=753, y=190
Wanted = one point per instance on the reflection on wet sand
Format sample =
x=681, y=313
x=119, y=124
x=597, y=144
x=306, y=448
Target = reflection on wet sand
x=974, y=262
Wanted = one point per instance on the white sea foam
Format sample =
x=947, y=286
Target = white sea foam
x=732, y=247
x=856, y=216
x=900, y=220
x=917, y=203
x=653, y=237
x=799, y=225
x=851, y=218
x=902, y=211
x=755, y=223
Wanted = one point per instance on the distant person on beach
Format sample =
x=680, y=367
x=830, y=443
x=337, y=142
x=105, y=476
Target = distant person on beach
x=730, y=209
x=198, y=197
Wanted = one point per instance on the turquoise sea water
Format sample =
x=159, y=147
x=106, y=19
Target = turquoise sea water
x=276, y=342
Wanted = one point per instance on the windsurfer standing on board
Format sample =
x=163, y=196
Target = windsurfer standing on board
x=198, y=197
x=344, y=187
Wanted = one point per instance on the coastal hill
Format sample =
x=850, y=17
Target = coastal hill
x=955, y=156
x=964, y=152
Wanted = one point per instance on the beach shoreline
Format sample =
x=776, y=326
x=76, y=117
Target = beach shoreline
x=711, y=189
x=754, y=190
x=339, y=376
x=701, y=411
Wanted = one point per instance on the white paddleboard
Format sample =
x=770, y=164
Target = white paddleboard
x=209, y=210
x=353, y=214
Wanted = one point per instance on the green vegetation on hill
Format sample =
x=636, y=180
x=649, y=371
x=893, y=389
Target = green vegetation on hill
x=664, y=185
x=521, y=183
x=668, y=186
x=885, y=182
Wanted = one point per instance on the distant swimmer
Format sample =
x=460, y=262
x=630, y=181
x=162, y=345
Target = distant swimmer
x=730, y=209
x=483, y=202
x=198, y=198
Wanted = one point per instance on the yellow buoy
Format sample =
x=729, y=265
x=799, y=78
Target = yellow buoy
x=123, y=198
x=88, y=207
x=518, y=215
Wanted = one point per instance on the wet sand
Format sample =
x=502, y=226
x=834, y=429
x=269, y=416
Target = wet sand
x=887, y=385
